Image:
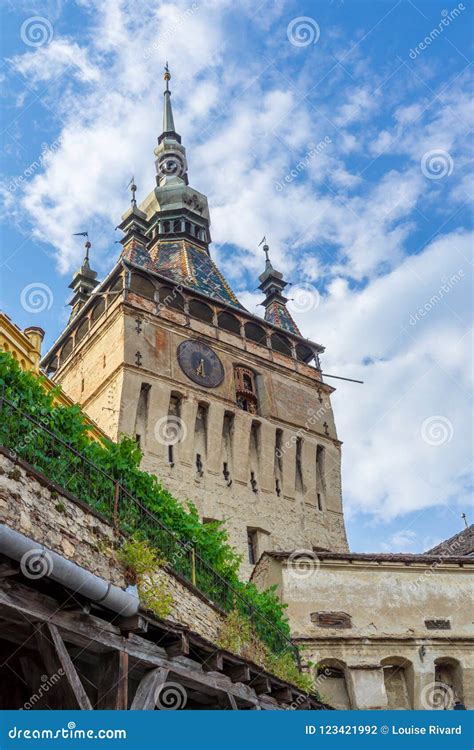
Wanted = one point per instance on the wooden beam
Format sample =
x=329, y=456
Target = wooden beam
x=134, y=624
x=179, y=647
x=57, y=661
x=213, y=662
x=8, y=569
x=97, y=636
x=112, y=688
x=283, y=695
x=237, y=672
x=261, y=685
x=144, y=699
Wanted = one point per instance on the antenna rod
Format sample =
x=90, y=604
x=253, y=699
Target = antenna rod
x=339, y=377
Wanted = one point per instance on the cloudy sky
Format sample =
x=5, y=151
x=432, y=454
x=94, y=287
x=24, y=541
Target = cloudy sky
x=338, y=129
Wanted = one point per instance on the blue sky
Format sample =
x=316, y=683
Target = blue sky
x=340, y=130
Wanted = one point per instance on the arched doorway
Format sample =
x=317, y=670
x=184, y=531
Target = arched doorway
x=398, y=681
x=330, y=682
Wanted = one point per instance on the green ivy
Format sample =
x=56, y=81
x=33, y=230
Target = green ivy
x=215, y=559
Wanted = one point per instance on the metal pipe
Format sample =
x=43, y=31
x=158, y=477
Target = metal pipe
x=36, y=561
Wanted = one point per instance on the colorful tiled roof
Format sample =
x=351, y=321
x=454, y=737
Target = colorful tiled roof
x=187, y=264
x=277, y=314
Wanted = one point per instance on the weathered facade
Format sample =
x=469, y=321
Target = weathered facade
x=385, y=631
x=230, y=410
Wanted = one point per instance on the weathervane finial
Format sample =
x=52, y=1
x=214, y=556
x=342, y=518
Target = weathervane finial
x=133, y=189
x=265, y=248
x=87, y=245
x=167, y=75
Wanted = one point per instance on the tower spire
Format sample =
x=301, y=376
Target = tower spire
x=171, y=165
x=84, y=280
x=272, y=285
x=168, y=121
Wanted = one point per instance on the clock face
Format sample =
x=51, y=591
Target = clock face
x=200, y=363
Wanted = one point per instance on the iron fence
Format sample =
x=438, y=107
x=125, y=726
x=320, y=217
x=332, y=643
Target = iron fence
x=28, y=437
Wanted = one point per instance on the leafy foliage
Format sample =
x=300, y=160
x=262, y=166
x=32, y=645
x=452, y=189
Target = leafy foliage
x=92, y=471
x=142, y=565
x=238, y=635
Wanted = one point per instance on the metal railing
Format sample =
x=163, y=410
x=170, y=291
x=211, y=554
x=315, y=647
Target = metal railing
x=28, y=437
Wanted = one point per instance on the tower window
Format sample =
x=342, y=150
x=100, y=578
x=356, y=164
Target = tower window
x=171, y=455
x=277, y=487
x=246, y=390
x=177, y=225
x=199, y=465
x=252, y=546
x=253, y=482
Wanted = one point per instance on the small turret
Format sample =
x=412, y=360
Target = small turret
x=84, y=280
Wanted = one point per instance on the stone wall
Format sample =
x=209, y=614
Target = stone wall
x=379, y=652
x=29, y=505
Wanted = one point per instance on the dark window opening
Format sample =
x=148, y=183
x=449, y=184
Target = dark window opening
x=199, y=465
x=320, y=502
x=177, y=225
x=171, y=455
x=138, y=439
x=228, y=322
x=226, y=473
x=281, y=344
x=201, y=311
x=254, y=332
x=253, y=482
x=252, y=546
x=246, y=391
x=82, y=385
x=277, y=487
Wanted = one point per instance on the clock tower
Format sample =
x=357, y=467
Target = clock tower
x=230, y=410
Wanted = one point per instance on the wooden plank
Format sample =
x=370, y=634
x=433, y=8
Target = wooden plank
x=179, y=647
x=96, y=635
x=8, y=569
x=55, y=656
x=213, y=662
x=112, y=687
x=135, y=624
x=237, y=673
x=261, y=685
x=283, y=695
x=144, y=699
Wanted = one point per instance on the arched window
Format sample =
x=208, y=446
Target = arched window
x=66, y=350
x=201, y=311
x=142, y=286
x=228, y=322
x=98, y=310
x=177, y=225
x=254, y=332
x=281, y=344
x=304, y=353
x=246, y=389
x=82, y=330
x=330, y=680
x=166, y=227
x=170, y=297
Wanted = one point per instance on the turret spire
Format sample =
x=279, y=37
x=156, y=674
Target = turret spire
x=272, y=285
x=84, y=280
x=168, y=121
